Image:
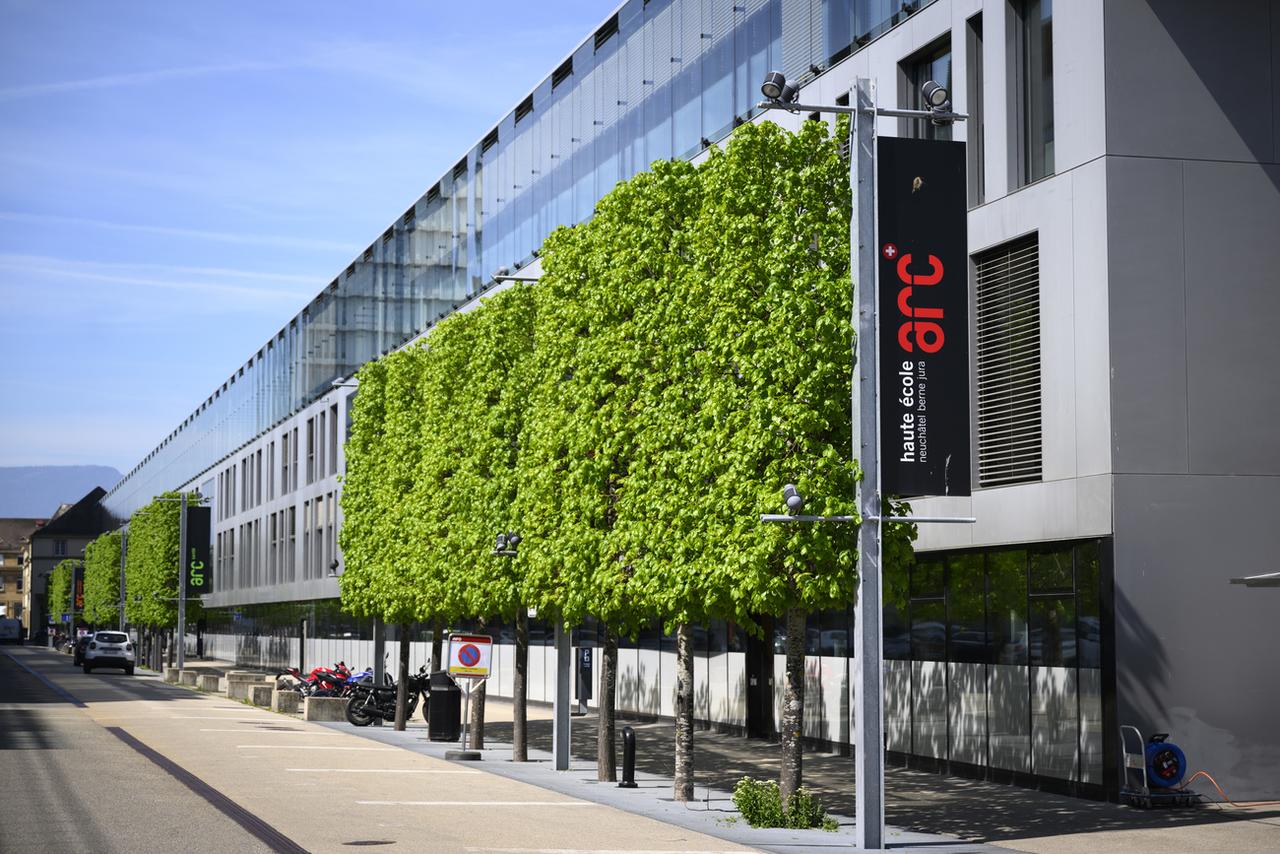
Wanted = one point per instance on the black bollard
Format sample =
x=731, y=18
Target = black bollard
x=628, y=758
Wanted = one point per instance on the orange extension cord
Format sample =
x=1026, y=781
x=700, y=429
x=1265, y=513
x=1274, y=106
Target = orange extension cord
x=1242, y=804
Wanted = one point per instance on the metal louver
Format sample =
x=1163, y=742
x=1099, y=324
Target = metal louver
x=1008, y=349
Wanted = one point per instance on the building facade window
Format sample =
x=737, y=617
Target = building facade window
x=993, y=659
x=60, y=548
x=1007, y=345
x=1032, y=77
x=932, y=63
x=333, y=439
x=975, y=149
x=284, y=463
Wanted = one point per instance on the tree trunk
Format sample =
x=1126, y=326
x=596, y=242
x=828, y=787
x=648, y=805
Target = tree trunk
x=477, y=715
x=606, y=752
x=684, y=713
x=790, y=777
x=437, y=645
x=520, y=691
x=402, y=683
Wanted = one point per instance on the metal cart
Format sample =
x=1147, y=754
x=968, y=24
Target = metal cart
x=1135, y=787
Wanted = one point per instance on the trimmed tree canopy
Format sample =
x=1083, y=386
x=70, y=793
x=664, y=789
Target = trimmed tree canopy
x=102, y=580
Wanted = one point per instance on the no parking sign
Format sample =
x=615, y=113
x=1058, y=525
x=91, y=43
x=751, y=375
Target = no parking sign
x=469, y=655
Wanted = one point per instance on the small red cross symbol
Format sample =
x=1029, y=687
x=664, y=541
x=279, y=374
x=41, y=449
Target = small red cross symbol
x=889, y=251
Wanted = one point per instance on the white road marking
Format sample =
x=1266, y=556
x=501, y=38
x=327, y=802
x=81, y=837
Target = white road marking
x=379, y=771
x=599, y=851
x=243, y=731
x=309, y=747
x=215, y=718
x=479, y=803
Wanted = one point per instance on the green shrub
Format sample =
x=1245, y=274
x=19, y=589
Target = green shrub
x=760, y=802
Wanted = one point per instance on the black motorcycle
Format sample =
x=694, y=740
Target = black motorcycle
x=370, y=702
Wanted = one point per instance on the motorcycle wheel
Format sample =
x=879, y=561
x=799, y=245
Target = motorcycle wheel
x=356, y=714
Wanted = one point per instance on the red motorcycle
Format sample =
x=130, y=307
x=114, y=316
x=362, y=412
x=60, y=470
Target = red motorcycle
x=320, y=682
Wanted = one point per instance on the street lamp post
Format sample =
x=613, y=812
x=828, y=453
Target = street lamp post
x=869, y=658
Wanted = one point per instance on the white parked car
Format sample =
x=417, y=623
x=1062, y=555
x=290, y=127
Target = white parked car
x=109, y=649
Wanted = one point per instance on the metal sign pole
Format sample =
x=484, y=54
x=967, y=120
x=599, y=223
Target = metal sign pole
x=182, y=581
x=466, y=712
x=868, y=677
x=560, y=730
x=124, y=542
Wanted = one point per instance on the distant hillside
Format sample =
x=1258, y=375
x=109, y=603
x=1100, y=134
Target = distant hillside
x=36, y=491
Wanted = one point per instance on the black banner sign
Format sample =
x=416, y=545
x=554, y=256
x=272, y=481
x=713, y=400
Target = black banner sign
x=198, y=568
x=924, y=325
x=77, y=588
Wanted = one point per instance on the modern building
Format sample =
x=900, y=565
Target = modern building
x=64, y=536
x=1124, y=193
x=13, y=534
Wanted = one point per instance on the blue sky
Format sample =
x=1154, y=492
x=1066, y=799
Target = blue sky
x=178, y=179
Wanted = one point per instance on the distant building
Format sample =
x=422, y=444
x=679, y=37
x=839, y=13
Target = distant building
x=13, y=533
x=64, y=536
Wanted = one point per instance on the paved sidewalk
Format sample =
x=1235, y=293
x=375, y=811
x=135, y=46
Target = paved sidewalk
x=919, y=805
x=922, y=809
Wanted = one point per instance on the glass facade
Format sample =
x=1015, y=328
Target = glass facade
x=993, y=659
x=659, y=79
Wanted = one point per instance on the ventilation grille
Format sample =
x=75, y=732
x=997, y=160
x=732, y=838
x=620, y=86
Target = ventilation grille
x=1008, y=348
x=563, y=73
x=607, y=31
x=524, y=108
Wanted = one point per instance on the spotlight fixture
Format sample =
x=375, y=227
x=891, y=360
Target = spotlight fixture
x=789, y=94
x=935, y=95
x=793, y=498
x=774, y=81
x=505, y=544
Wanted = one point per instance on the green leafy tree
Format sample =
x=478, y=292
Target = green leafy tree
x=488, y=361
x=379, y=537
x=59, y=589
x=596, y=342
x=102, y=580
x=751, y=391
x=151, y=563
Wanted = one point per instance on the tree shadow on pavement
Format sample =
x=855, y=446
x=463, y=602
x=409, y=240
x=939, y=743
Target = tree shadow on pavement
x=971, y=810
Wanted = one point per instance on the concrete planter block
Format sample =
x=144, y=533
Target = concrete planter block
x=209, y=682
x=324, y=709
x=238, y=689
x=260, y=695
x=189, y=677
x=238, y=686
x=285, y=701
x=171, y=675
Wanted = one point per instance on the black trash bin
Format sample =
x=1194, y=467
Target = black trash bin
x=444, y=714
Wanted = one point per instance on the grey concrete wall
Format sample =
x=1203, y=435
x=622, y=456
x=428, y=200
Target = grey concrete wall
x=1191, y=79
x=1196, y=655
x=1193, y=221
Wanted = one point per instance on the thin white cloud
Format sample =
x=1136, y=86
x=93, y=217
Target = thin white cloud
x=280, y=241
x=136, y=78
x=189, y=279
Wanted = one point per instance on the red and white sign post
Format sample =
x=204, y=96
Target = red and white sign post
x=470, y=657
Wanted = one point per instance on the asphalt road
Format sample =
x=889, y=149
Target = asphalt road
x=68, y=784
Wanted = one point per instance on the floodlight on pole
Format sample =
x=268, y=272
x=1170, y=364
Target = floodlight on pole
x=793, y=498
x=772, y=86
x=935, y=95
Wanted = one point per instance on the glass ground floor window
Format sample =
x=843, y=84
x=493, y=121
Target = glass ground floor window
x=993, y=659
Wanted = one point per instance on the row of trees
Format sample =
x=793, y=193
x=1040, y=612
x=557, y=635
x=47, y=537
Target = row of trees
x=151, y=570
x=686, y=353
